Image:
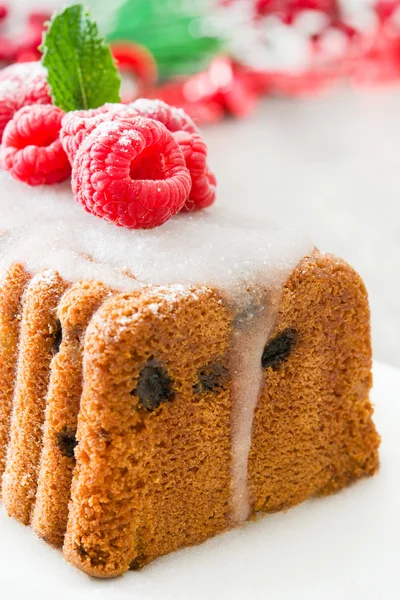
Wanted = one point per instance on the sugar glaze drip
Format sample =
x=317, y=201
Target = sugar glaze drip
x=248, y=342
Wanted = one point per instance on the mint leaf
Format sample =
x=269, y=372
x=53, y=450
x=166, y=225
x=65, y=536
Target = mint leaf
x=80, y=68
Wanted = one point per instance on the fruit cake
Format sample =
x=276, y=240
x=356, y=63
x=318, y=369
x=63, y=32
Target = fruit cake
x=166, y=371
x=151, y=412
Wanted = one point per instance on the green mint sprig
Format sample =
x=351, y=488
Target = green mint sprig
x=81, y=71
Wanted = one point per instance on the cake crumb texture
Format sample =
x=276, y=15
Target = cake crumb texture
x=37, y=338
x=62, y=407
x=312, y=431
x=12, y=286
x=150, y=479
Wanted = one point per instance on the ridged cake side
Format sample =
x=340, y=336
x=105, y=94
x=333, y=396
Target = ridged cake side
x=57, y=462
x=153, y=460
x=37, y=339
x=153, y=466
x=312, y=430
x=12, y=286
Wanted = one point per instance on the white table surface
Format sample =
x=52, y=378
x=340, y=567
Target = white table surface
x=345, y=546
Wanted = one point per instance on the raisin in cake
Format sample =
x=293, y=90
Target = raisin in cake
x=159, y=388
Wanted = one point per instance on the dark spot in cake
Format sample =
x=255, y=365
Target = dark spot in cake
x=154, y=386
x=103, y=433
x=278, y=350
x=138, y=427
x=135, y=564
x=66, y=441
x=97, y=557
x=80, y=550
x=58, y=336
x=211, y=378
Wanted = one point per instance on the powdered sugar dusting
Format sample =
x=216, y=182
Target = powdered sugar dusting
x=43, y=227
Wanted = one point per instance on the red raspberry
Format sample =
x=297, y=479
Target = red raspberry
x=194, y=148
x=174, y=119
x=31, y=150
x=21, y=84
x=8, y=49
x=38, y=18
x=21, y=71
x=78, y=124
x=132, y=173
x=138, y=63
x=3, y=11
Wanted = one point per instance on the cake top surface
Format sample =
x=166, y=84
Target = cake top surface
x=43, y=227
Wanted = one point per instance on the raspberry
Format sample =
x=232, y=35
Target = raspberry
x=174, y=119
x=194, y=148
x=192, y=145
x=21, y=84
x=78, y=124
x=3, y=11
x=131, y=172
x=38, y=18
x=22, y=71
x=8, y=49
x=31, y=150
x=137, y=62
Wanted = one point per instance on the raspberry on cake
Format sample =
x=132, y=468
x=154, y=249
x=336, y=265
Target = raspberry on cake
x=31, y=149
x=20, y=85
x=78, y=124
x=174, y=119
x=202, y=192
x=131, y=173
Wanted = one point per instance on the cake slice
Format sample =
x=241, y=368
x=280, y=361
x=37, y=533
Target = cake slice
x=227, y=373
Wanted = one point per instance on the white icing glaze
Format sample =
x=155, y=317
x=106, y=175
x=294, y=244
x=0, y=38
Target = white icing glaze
x=247, y=378
x=247, y=259
x=43, y=227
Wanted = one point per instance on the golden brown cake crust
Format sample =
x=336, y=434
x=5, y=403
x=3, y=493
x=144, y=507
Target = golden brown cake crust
x=36, y=349
x=12, y=286
x=62, y=406
x=150, y=481
x=313, y=432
